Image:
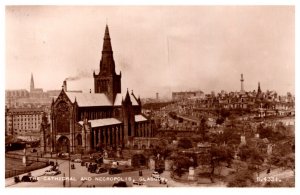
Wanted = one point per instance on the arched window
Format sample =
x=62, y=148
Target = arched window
x=62, y=117
x=79, y=139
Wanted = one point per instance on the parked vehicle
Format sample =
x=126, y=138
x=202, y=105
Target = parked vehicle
x=159, y=169
x=155, y=175
x=77, y=160
x=52, y=173
x=114, y=171
x=51, y=163
x=27, y=178
x=163, y=180
x=54, y=168
x=101, y=170
x=136, y=183
x=63, y=155
x=17, y=179
x=120, y=184
x=99, y=160
x=92, y=167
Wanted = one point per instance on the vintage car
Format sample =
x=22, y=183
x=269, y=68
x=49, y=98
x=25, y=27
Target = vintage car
x=77, y=160
x=28, y=178
x=163, y=180
x=155, y=175
x=52, y=172
x=114, y=171
x=120, y=184
x=100, y=170
x=136, y=183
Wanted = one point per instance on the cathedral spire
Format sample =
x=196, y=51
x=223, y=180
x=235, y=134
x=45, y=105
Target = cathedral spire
x=258, y=89
x=31, y=83
x=106, y=43
x=107, y=81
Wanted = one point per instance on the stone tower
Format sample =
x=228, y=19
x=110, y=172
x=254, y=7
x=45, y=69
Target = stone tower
x=31, y=84
x=107, y=81
x=242, y=83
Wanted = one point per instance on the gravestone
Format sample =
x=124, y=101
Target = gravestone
x=151, y=164
x=191, y=173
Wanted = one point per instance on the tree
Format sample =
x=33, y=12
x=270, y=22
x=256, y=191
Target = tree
x=265, y=132
x=220, y=120
x=242, y=179
x=225, y=113
x=138, y=160
x=203, y=128
x=289, y=162
x=185, y=143
x=181, y=162
x=252, y=156
x=220, y=154
x=230, y=136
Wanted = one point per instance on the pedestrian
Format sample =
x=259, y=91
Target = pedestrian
x=64, y=183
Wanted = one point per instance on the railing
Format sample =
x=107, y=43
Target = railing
x=35, y=161
x=11, y=173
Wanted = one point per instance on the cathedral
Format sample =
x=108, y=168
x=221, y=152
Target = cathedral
x=96, y=120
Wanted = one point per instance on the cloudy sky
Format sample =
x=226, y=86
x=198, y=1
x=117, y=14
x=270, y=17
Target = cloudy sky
x=157, y=49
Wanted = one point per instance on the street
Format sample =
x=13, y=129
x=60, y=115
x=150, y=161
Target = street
x=80, y=177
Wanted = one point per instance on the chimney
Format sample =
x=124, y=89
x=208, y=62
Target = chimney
x=65, y=85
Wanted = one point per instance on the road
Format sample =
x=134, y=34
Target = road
x=80, y=177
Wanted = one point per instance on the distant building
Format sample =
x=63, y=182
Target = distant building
x=35, y=98
x=186, y=94
x=53, y=93
x=11, y=96
x=23, y=121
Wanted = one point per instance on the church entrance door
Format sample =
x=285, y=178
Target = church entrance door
x=63, y=144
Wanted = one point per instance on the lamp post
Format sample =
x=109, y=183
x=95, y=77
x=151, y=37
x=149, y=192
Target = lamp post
x=69, y=166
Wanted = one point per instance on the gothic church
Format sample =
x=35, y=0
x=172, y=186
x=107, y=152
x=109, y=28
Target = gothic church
x=91, y=121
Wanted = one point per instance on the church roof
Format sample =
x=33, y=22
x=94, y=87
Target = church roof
x=139, y=118
x=89, y=99
x=118, y=100
x=102, y=122
x=97, y=99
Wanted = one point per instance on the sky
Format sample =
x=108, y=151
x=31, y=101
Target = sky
x=157, y=48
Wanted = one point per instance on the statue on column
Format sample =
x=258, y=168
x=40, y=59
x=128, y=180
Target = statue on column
x=119, y=152
x=45, y=133
x=105, y=154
